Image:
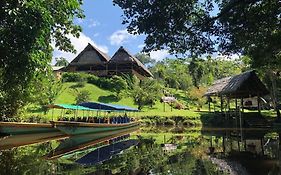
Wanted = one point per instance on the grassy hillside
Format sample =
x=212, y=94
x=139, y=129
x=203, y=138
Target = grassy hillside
x=68, y=94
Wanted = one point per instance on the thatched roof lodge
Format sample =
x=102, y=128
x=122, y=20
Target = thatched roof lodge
x=123, y=62
x=94, y=61
x=243, y=85
x=91, y=60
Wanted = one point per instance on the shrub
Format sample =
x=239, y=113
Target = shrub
x=74, y=77
x=92, y=79
x=82, y=96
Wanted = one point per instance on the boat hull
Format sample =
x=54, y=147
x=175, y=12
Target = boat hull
x=76, y=128
x=16, y=128
x=79, y=142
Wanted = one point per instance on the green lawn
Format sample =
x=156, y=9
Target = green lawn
x=68, y=94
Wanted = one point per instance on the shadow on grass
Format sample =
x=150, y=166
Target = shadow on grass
x=108, y=99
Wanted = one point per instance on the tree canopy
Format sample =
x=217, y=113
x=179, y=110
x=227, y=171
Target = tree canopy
x=206, y=26
x=27, y=28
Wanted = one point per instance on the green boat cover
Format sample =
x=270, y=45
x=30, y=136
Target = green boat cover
x=68, y=106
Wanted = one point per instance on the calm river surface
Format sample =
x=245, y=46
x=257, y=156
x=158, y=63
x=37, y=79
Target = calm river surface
x=150, y=150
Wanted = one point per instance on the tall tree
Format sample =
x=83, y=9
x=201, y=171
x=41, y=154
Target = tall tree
x=27, y=28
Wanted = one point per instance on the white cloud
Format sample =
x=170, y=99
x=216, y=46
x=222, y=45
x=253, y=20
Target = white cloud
x=93, y=23
x=79, y=44
x=119, y=37
x=141, y=46
x=159, y=55
x=96, y=34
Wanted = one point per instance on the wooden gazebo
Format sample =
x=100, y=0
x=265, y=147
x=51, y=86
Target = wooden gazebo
x=240, y=86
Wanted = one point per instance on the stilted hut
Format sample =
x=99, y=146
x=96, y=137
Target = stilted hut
x=123, y=62
x=90, y=60
x=239, y=87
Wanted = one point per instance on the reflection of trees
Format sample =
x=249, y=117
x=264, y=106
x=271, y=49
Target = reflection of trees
x=149, y=157
x=142, y=158
x=27, y=160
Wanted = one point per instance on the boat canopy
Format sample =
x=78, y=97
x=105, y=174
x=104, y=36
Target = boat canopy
x=107, y=107
x=68, y=106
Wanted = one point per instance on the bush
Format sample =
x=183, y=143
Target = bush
x=82, y=96
x=74, y=77
x=92, y=79
x=104, y=83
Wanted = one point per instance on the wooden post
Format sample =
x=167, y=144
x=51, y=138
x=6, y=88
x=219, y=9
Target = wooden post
x=53, y=114
x=262, y=150
x=238, y=143
x=223, y=144
x=228, y=103
x=259, y=104
x=221, y=103
x=242, y=104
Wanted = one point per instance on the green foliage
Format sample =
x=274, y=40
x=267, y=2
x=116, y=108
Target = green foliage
x=196, y=94
x=82, y=96
x=145, y=59
x=147, y=92
x=118, y=85
x=74, y=77
x=47, y=92
x=61, y=62
x=206, y=26
x=185, y=73
x=27, y=29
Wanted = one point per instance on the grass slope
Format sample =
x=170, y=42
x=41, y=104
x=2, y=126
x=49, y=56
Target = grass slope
x=68, y=94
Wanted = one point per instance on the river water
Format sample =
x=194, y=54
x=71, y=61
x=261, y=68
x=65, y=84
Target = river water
x=149, y=150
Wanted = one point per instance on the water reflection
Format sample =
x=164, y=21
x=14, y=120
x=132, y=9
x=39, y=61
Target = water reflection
x=153, y=150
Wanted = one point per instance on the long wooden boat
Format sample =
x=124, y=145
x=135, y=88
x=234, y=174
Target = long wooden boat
x=17, y=128
x=79, y=142
x=77, y=128
x=27, y=139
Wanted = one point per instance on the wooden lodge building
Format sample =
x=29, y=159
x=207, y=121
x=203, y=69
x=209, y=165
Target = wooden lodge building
x=94, y=61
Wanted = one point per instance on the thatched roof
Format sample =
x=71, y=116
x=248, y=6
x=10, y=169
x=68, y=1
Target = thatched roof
x=243, y=85
x=90, y=55
x=122, y=56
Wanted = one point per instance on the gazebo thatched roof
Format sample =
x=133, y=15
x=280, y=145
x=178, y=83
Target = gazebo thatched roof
x=90, y=55
x=243, y=85
x=122, y=56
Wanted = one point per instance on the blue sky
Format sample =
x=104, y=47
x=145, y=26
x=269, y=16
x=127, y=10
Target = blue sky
x=103, y=28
